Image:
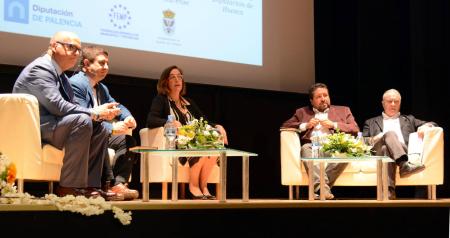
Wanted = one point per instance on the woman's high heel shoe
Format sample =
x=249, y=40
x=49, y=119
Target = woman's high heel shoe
x=210, y=197
x=195, y=197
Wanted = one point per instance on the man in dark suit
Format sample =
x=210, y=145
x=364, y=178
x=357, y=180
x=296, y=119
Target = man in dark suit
x=63, y=123
x=324, y=118
x=90, y=92
x=389, y=134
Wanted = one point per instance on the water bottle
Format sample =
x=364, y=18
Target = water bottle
x=315, y=144
x=170, y=132
x=360, y=138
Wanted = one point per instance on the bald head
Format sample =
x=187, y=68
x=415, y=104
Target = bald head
x=391, y=102
x=63, y=36
x=65, y=49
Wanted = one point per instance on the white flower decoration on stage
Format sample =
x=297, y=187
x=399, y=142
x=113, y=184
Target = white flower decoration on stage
x=78, y=204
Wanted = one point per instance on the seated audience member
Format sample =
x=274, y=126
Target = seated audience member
x=90, y=92
x=389, y=134
x=323, y=118
x=65, y=124
x=171, y=101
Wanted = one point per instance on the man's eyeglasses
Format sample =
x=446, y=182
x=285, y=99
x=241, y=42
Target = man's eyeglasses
x=174, y=76
x=70, y=47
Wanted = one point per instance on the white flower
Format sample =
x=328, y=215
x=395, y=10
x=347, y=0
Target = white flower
x=183, y=139
x=198, y=134
x=215, y=133
x=193, y=122
x=124, y=217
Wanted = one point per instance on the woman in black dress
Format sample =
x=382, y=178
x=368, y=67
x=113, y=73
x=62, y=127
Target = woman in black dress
x=171, y=101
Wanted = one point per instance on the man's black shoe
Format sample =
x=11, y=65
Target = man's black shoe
x=408, y=169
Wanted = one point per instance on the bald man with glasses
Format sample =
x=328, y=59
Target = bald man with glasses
x=64, y=124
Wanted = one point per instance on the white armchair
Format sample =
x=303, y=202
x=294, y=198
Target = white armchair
x=20, y=140
x=430, y=152
x=161, y=168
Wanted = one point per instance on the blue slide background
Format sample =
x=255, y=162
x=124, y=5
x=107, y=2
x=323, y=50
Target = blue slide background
x=226, y=30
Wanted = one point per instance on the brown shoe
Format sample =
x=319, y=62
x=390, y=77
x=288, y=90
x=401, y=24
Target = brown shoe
x=109, y=195
x=129, y=194
x=63, y=191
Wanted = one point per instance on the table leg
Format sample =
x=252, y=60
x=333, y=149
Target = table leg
x=245, y=178
x=379, y=180
x=322, y=180
x=174, y=178
x=145, y=182
x=223, y=176
x=384, y=176
x=310, y=180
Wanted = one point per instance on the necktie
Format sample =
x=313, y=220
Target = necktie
x=66, y=87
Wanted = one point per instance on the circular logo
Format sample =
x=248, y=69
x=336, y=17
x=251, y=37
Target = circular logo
x=120, y=16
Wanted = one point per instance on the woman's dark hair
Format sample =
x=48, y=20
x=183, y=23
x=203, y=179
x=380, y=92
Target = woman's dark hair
x=162, y=86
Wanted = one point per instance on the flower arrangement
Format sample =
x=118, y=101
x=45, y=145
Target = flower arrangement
x=341, y=143
x=7, y=176
x=198, y=134
x=78, y=204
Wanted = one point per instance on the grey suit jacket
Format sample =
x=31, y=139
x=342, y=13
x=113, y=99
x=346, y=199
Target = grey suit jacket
x=84, y=96
x=408, y=125
x=40, y=78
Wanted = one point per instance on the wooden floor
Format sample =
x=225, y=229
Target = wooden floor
x=234, y=218
x=252, y=204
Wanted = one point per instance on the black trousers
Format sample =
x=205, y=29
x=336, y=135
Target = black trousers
x=124, y=160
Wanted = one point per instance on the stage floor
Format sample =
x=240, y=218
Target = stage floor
x=252, y=204
x=234, y=218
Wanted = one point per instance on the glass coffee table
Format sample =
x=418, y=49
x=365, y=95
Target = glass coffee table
x=382, y=186
x=175, y=154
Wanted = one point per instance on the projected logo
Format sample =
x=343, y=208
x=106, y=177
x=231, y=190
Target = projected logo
x=16, y=11
x=120, y=16
x=168, y=21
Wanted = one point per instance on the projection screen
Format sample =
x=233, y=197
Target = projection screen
x=238, y=43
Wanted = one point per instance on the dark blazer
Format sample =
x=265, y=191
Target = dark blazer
x=160, y=109
x=40, y=78
x=340, y=114
x=408, y=125
x=84, y=96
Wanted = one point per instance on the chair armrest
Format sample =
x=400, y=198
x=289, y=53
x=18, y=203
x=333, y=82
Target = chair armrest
x=152, y=137
x=290, y=157
x=290, y=129
x=20, y=138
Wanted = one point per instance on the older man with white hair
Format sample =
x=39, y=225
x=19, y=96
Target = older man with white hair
x=389, y=134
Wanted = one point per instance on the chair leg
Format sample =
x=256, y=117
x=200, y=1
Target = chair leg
x=297, y=192
x=50, y=187
x=182, y=191
x=20, y=185
x=164, y=191
x=218, y=191
x=432, y=192
x=291, y=193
